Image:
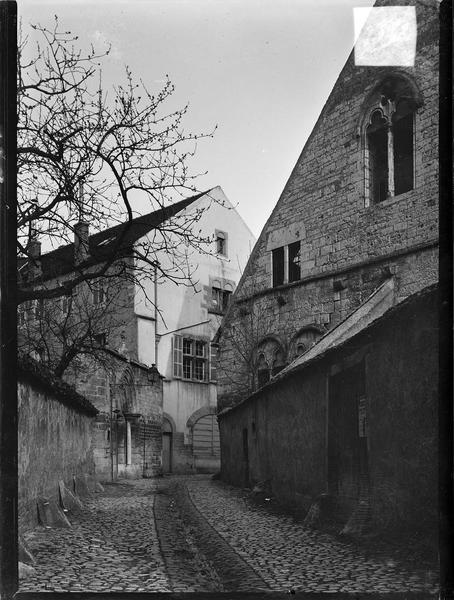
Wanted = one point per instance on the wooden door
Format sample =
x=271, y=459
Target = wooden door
x=205, y=437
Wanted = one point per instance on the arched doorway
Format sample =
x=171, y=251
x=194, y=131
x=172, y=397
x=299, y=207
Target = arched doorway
x=166, y=446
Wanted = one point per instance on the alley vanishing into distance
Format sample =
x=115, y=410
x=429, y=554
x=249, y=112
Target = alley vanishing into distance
x=195, y=533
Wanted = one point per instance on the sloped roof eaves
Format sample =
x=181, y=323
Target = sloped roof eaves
x=390, y=313
x=31, y=370
x=381, y=300
x=61, y=260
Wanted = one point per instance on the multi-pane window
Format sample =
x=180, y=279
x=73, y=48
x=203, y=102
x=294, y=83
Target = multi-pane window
x=286, y=264
x=213, y=361
x=220, y=298
x=190, y=358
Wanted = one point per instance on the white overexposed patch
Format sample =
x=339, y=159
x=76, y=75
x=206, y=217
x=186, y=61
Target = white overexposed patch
x=385, y=36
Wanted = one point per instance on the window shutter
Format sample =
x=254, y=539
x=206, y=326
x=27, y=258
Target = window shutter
x=177, y=343
x=213, y=362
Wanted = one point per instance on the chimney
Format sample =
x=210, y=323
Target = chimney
x=34, y=255
x=80, y=242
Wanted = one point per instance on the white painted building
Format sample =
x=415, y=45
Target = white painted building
x=176, y=324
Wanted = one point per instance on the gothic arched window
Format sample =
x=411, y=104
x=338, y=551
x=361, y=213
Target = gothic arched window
x=389, y=140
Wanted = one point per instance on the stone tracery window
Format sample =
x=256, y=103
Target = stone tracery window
x=270, y=359
x=389, y=141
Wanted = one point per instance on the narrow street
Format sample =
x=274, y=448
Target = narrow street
x=193, y=534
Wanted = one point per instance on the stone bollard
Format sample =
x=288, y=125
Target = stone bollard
x=50, y=514
x=25, y=556
x=69, y=501
x=25, y=570
x=81, y=488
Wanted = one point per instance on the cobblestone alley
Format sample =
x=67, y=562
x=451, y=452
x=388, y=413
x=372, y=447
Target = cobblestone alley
x=196, y=534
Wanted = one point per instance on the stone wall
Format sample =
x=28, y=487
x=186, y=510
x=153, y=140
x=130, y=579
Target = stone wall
x=55, y=438
x=281, y=433
x=287, y=423
x=347, y=248
x=121, y=390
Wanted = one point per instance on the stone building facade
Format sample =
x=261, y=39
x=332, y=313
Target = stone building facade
x=127, y=437
x=349, y=433
x=360, y=207
x=143, y=314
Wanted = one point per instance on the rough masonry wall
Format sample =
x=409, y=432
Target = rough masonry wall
x=55, y=443
x=287, y=425
x=402, y=393
x=323, y=205
x=285, y=429
x=123, y=385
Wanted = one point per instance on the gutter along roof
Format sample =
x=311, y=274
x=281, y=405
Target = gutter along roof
x=61, y=260
x=379, y=306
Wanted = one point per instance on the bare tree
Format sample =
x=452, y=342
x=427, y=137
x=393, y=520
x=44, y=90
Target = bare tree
x=84, y=150
x=64, y=332
x=247, y=349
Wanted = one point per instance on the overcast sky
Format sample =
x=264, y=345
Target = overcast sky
x=261, y=70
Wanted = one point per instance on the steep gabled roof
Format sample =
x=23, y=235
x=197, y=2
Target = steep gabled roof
x=61, y=260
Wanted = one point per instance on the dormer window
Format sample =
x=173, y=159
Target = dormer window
x=389, y=141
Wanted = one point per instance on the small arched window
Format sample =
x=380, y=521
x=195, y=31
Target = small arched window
x=389, y=140
x=263, y=371
x=278, y=362
x=270, y=359
x=303, y=340
x=300, y=349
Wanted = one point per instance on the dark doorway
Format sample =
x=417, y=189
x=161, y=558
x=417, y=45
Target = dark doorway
x=347, y=436
x=166, y=447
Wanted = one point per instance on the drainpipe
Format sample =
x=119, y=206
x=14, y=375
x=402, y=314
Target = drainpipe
x=109, y=387
x=156, y=315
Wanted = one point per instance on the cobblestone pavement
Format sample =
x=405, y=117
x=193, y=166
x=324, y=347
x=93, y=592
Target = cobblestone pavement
x=288, y=556
x=113, y=545
x=192, y=534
